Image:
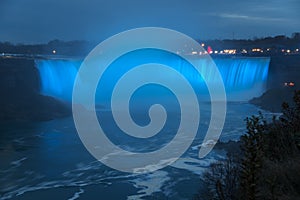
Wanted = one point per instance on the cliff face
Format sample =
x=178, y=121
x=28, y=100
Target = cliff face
x=272, y=99
x=19, y=93
x=283, y=69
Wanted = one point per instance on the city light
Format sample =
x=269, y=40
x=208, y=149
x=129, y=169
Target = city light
x=241, y=51
x=257, y=50
x=289, y=84
x=230, y=51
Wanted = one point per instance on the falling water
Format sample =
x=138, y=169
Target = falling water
x=243, y=77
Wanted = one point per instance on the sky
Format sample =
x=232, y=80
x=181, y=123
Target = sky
x=39, y=21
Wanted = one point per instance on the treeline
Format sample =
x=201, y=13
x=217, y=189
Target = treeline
x=275, y=44
x=268, y=164
x=72, y=48
x=82, y=48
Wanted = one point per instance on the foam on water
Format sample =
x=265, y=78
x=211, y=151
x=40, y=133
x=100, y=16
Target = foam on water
x=56, y=141
x=150, y=184
x=77, y=194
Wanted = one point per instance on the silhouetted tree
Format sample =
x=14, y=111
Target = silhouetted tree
x=221, y=180
x=252, y=159
x=270, y=163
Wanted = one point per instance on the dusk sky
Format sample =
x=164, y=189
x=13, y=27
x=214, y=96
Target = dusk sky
x=39, y=21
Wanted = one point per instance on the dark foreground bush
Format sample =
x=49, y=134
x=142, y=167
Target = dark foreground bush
x=269, y=165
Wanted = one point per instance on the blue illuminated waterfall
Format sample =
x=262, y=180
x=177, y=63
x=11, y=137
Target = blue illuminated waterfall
x=57, y=77
x=243, y=77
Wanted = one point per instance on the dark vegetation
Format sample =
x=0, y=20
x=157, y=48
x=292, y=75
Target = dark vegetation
x=69, y=48
x=274, y=44
x=20, y=97
x=267, y=165
x=82, y=48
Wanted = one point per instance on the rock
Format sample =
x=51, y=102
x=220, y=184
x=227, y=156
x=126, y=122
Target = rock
x=272, y=99
x=19, y=93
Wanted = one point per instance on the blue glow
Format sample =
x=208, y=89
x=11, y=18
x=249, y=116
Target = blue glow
x=57, y=77
x=243, y=77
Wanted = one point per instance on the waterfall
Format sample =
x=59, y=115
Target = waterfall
x=244, y=77
x=57, y=77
